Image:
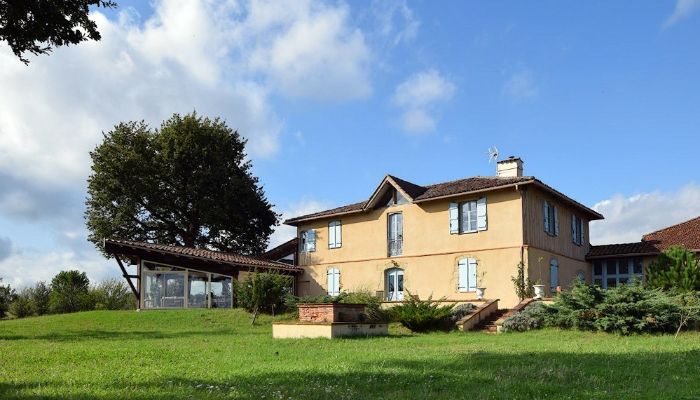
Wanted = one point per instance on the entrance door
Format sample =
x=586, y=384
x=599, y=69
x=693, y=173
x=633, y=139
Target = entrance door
x=394, y=284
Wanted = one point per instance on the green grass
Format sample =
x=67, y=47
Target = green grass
x=217, y=354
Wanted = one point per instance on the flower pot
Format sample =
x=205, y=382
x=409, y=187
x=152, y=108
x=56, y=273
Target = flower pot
x=480, y=291
x=539, y=291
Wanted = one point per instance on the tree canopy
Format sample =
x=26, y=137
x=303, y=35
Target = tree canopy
x=188, y=183
x=675, y=268
x=35, y=26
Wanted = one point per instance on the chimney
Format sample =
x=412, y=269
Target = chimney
x=510, y=167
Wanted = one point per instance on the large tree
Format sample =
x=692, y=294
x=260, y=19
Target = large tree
x=35, y=26
x=187, y=183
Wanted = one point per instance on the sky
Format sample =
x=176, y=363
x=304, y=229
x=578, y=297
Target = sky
x=600, y=99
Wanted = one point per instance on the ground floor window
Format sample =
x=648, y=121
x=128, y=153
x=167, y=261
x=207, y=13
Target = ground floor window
x=394, y=284
x=165, y=286
x=612, y=272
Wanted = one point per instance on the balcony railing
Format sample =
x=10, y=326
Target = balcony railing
x=395, y=247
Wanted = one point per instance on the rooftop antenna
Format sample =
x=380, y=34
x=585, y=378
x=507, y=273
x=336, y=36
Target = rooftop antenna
x=493, y=154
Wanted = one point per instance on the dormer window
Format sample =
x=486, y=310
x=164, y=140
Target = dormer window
x=394, y=198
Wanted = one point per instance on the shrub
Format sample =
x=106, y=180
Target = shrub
x=423, y=316
x=460, y=311
x=40, y=294
x=675, y=268
x=634, y=309
x=534, y=316
x=7, y=294
x=577, y=308
x=69, y=292
x=21, y=306
x=263, y=292
x=112, y=294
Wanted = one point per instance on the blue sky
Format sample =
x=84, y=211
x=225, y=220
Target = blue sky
x=601, y=100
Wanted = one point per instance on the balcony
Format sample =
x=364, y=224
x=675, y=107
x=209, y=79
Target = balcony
x=395, y=247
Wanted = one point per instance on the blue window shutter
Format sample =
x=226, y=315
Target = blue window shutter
x=463, y=276
x=581, y=233
x=553, y=275
x=333, y=281
x=472, y=274
x=481, y=215
x=339, y=234
x=454, y=218
x=573, y=229
x=331, y=234
x=556, y=222
x=546, y=217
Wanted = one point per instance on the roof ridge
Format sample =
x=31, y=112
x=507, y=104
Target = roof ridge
x=669, y=227
x=480, y=177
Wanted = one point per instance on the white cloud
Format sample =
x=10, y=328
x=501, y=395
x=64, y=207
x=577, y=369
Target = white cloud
x=5, y=247
x=221, y=58
x=683, y=9
x=627, y=218
x=309, y=50
x=521, y=86
x=394, y=20
x=285, y=232
x=419, y=96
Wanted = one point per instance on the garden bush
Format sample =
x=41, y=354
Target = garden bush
x=676, y=268
x=423, y=316
x=70, y=292
x=263, y=292
x=6, y=296
x=534, y=316
x=21, y=306
x=460, y=311
x=626, y=309
x=112, y=294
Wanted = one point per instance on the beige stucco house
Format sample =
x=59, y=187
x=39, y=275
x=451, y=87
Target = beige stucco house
x=447, y=239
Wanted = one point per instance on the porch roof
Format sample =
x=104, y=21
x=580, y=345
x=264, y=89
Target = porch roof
x=193, y=257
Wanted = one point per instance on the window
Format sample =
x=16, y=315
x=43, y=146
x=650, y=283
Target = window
x=307, y=241
x=394, y=284
x=166, y=286
x=395, y=234
x=576, y=230
x=553, y=275
x=551, y=222
x=612, y=272
x=394, y=198
x=334, y=235
x=468, y=217
x=467, y=275
x=333, y=281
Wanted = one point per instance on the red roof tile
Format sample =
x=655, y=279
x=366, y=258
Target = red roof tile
x=444, y=190
x=622, y=249
x=115, y=245
x=686, y=234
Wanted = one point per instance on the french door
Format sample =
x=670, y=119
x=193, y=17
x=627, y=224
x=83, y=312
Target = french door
x=395, y=234
x=394, y=284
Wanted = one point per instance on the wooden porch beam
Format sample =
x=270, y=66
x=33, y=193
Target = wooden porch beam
x=128, y=277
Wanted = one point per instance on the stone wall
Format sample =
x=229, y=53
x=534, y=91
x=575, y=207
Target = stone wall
x=331, y=312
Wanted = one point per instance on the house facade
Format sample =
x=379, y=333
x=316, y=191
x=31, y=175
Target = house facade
x=447, y=239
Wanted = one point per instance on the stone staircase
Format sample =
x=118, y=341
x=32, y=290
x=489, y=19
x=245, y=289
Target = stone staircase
x=488, y=325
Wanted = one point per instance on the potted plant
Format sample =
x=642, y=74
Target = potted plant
x=538, y=286
x=480, y=286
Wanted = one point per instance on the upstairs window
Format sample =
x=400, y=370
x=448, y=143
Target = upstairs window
x=576, y=230
x=335, y=235
x=468, y=216
x=307, y=241
x=551, y=221
x=395, y=234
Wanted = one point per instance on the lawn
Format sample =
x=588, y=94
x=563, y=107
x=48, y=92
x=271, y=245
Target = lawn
x=217, y=354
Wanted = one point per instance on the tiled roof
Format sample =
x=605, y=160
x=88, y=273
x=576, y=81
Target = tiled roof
x=112, y=245
x=686, y=234
x=611, y=250
x=411, y=189
x=283, y=250
x=467, y=185
x=445, y=189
